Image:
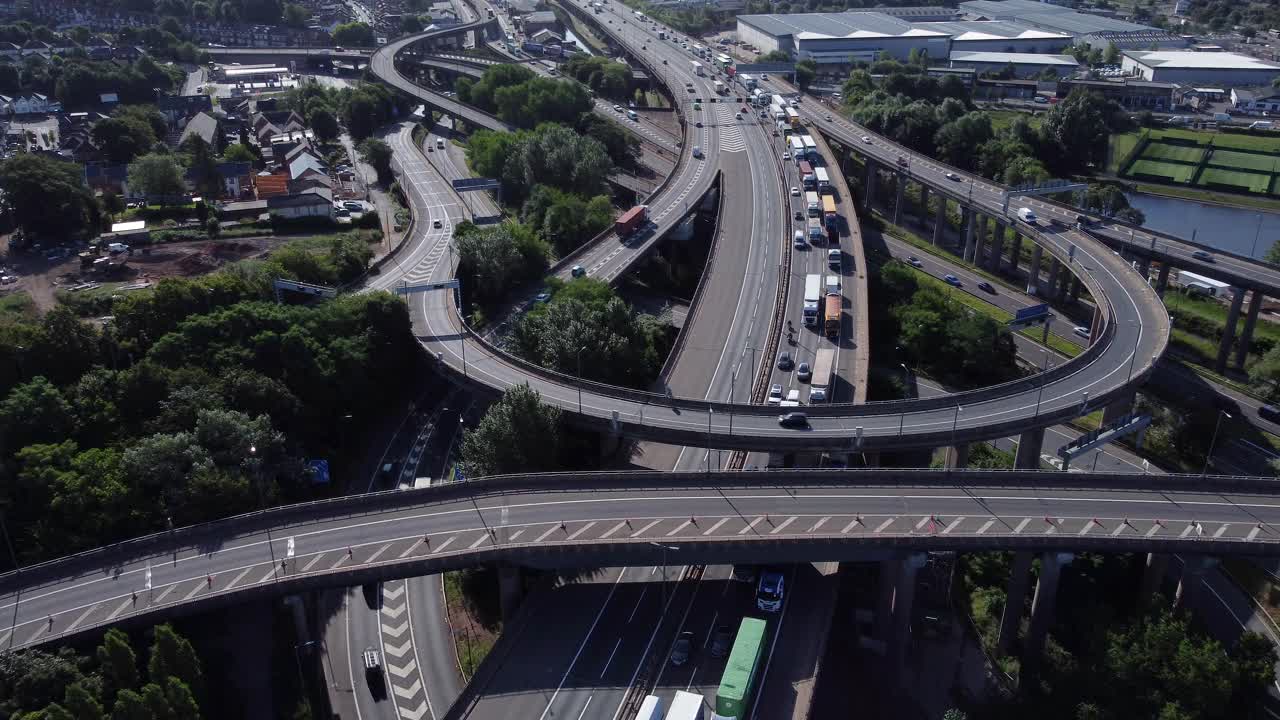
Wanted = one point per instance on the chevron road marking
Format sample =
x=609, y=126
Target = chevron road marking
x=235, y=580
x=483, y=536
x=821, y=521
x=952, y=525
x=1087, y=527
x=114, y=613
x=751, y=525
x=410, y=691
x=341, y=559
x=1155, y=528
x=544, y=535
x=165, y=594
x=445, y=544
x=391, y=591
x=986, y=526
x=75, y=623
x=645, y=529
x=783, y=526
x=609, y=532
x=1119, y=529
x=520, y=532
x=415, y=714
x=314, y=560
x=1218, y=533
x=884, y=525
x=715, y=527
x=680, y=527
x=923, y=521
x=379, y=552
x=271, y=573
x=392, y=612
x=582, y=529
x=1252, y=534
x=1025, y=522
x=403, y=672
x=398, y=650
x=395, y=631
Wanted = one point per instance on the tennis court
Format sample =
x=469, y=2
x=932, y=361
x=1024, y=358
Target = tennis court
x=1253, y=182
x=1243, y=161
x=1176, y=153
x=1169, y=172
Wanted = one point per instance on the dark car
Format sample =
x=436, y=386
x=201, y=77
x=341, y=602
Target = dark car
x=951, y=280
x=784, y=361
x=1270, y=413
x=803, y=373
x=799, y=215
x=793, y=420
x=721, y=641
x=987, y=287
x=683, y=649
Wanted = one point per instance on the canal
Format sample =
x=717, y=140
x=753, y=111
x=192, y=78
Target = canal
x=1239, y=230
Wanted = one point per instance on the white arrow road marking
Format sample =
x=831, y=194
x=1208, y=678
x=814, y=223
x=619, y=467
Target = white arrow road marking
x=410, y=691
x=392, y=612
x=395, y=631
x=402, y=672
x=398, y=650
x=391, y=591
x=414, y=714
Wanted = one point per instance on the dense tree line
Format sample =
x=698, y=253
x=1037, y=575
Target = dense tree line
x=551, y=154
x=189, y=405
x=78, y=82
x=566, y=220
x=518, y=434
x=524, y=99
x=361, y=109
x=47, y=198
x=604, y=76
x=38, y=684
x=493, y=259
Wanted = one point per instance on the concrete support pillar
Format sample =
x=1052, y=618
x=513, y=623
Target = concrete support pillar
x=609, y=442
x=1246, y=337
x=924, y=203
x=979, y=240
x=898, y=199
x=1033, y=272
x=997, y=246
x=1030, y=443
x=966, y=232
x=1157, y=565
x=903, y=596
x=1064, y=283
x=1042, y=603
x=1117, y=409
x=1051, y=283
x=940, y=221
x=1191, y=584
x=871, y=175
x=1075, y=288
x=1015, y=252
x=1229, y=331
x=1162, y=281
x=884, y=602
x=1144, y=267
x=510, y=590
x=1095, y=325
x=957, y=457
x=1014, y=600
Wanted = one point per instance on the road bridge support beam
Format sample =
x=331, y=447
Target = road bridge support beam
x=966, y=224
x=957, y=457
x=869, y=181
x=898, y=197
x=940, y=221
x=1246, y=338
x=1030, y=444
x=1162, y=281
x=924, y=204
x=1144, y=267
x=1229, y=330
x=1033, y=272
x=1014, y=599
x=1118, y=408
x=904, y=594
x=1075, y=288
x=1015, y=253
x=884, y=601
x=1042, y=604
x=1152, y=575
x=1051, y=282
x=980, y=239
x=997, y=246
x=510, y=589
x=1191, y=584
x=1064, y=283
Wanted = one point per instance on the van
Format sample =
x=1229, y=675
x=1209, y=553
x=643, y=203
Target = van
x=631, y=114
x=1270, y=413
x=439, y=143
x=1026, y=216
x=697, y=151
x=793, y=396
x=799, y=239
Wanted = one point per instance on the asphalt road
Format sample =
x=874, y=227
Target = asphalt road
x=413, y=533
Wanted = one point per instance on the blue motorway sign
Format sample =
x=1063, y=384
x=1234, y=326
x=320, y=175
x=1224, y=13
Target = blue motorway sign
x=1031, y=314
x=319, y=471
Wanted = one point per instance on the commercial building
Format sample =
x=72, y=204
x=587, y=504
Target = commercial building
x=921, y=13
x=1255, y=100
x=837, y=38
x=1025, y=65
x=1096, y=30
x=1214, y=68
x=989, y=89
x=1129, y=92
x=998, y=36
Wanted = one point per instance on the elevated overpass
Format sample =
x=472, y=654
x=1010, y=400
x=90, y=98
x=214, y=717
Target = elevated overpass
x=597, y=519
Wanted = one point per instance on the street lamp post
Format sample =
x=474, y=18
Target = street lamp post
x=954, y=423
x=580, y=351
x=1256, y=234
x=664, y=549
x=1212, y=443
x=1043, y=381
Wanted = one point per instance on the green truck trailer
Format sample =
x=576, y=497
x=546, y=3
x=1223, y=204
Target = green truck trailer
x=741, y=670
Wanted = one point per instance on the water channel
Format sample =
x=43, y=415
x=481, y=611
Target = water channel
x=1239, y=230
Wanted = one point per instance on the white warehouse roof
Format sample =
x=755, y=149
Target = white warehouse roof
x=818, y=26
x=1003, y=58
x=972, y=30
x=1187, y=60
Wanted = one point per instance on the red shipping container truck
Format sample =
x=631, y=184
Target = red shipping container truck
x=631, y=220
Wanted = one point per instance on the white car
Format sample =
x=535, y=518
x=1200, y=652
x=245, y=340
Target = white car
x=786, y=155
x=775, y=394
x=952, y=176
x=866, y=139
x=1081, y=331
x=795, y=191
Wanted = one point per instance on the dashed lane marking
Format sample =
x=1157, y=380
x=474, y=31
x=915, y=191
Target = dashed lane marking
x=751, y=525
x=715, y=527
x=582, y=529
x=783, y=526
x=609, y=532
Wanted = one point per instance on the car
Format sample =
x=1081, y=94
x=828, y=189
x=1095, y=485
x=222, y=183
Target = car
x=542, y=297
x=689, y=88
x=775, y=394
x=769, y=592
x=1041, y=100
x=1203, y=255
x=952, y=280
x=828, y=118
x=617, y=108
x=371, y=660
x=436, y=223
x=664, y=62
x=698, y=124
x=1269, y=412
x=786, y=154
x=795, y=191
x=953, y=177
x=985, y=286
x=833, y=258
x=682, y=649
x=803, y=373
x=697, y=152
x=798, y=239
x=866, y=139
x=1081, y=331
x=799, y=215
x=793, y=420
x=914, y=261
x=737, y=116
x=721, y=641
x=784, y=361
x=578, y=271
x=744, y=109
x=697, y=106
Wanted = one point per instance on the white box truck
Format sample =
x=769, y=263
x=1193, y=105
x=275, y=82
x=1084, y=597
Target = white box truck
x=1026, y=216
x=650, y=709
x=812, y=295
x=697, y=68
x=686, y=706
x=813, y=203
x=820, y=383
x=719, y=86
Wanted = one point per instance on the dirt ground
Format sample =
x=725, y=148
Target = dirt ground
x=41, y=278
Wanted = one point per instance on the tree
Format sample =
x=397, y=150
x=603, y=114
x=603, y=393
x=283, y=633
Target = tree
x=354, y=33
x=518, y=433
x=410, y=24
x=1077, y=129
x=806, y=71
x=378, y=154
x=48, y=197
x=122, y=139
x=35, y=412
x=173, y=656
x=323, y=123
x=1112, y=55
x=1273, y=253
x=202, y=166
x=494, y=258
x=157, y=175
x=81, y=704
x=239, y=152
x=295, y=15
x=129, y=705
x=117, y=663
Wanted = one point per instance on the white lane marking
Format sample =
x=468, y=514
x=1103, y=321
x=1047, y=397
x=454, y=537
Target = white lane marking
x=1155, y=528
x=751, y=525
x=883, y=525
x=821, y=521
x=1218, y=533
x=445, y=544
x=680, y=527
x=581, y=530
x=479, y=540
x=76, y=623
x=165, y=593
x=783, y=526
x=395, y=630
x=986, y=526
x=609, y=533
x=403, y=671
x=645, y=529
x=585, y=705
x=1087, y=527
x=314, y=560
x=952, y=525
x=378, y=553
x=1254, y=532
x=412, y=546
x=235, y=580
x=119, y=609
x=581, y=646
x=515, y=535
x=1025, y=522
x=715, y=527
x=608, y=662
x=845, y=530
x=409, y=692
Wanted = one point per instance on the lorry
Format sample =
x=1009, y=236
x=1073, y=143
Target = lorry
x=1026, y=216
x=820, y=383
x=662, y=34
x=631, y=220
x=815, y=231
x=831, y=315
x=1201, y=285
x=686, y=706
x=719, y=86
x=810, y=147
x=697, y=68
x=824, y=180
x=807, y=178
x=829, y=214
x=812, y=202
x=812, y=293
x=650, y=709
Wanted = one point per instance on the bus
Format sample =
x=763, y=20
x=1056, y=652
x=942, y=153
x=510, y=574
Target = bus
x=824, y=180
x=793, y=117
x=685, y=706
x=723, y=60
x=741, y=670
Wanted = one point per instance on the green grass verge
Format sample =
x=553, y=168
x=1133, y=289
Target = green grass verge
x=1172, y=172
x=17, y=306
x=1001, y=119
x=1176, y=153
x=472, y=647
x=1121, y=146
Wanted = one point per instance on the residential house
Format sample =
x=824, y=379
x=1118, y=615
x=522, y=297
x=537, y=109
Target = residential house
x=204, y=126
x=10, y=50
x=269, y=185
x=105, y=178
x=78, y=145
x=242, y=209
x=237, y=179
x=31, y=104
x=309, y=181
x=306, y=164
x=177, y=108
x=36, y=47
x=313, y=203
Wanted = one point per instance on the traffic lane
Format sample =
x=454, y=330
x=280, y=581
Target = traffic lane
x=802, y=633
x=372, y=692
x=433, y=642
x=698, y=617
x=337, y=663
